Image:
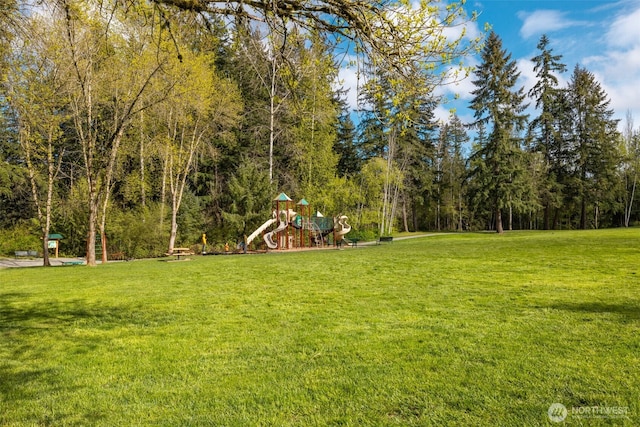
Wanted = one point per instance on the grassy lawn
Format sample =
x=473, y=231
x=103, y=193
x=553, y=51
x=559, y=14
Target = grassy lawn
x=473, y=329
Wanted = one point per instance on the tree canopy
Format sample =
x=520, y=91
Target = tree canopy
x=133, y=127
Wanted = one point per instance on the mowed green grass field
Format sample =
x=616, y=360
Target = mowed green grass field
x=470, y=329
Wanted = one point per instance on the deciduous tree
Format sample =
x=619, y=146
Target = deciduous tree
x=202, y=108
x=37, y=95
x=111, y=75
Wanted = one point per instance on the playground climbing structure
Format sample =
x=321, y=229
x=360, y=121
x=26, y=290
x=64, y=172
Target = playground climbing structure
x=296, y=227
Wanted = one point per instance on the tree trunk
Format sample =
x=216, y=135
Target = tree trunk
x=460, y=225
x=174, y=227
x=499, y=228
x=547, y=216
x=272, y=114
x=556, y=218
x=106, y=190
x=45, y=250
x=91, y=233
x=404, y=215
x=388, y=199
x=627, y=213
x=178, y=178
x=44, y=218
x=143, y=196
x=163, y=193
x=583, y=213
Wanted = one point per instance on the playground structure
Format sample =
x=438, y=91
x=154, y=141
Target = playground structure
x=299, y=228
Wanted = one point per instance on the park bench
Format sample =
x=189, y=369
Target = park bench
x=72, y=262
x=385, y=239
x=25, y=254
x=180, y=252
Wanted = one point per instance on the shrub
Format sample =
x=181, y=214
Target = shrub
x=23, y=236
x=138, y=233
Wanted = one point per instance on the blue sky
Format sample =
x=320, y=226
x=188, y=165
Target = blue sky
x=603, y=36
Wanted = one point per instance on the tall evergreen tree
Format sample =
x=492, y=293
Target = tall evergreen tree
x=450, y=176
x=545, y=127
x=499, y=105
x=594, y=146
x=349, y=161
x=398, y=126
x=249, y=200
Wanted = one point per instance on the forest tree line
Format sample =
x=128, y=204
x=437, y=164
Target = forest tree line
x=151, y=128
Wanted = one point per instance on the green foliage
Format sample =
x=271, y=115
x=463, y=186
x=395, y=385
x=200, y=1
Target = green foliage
x=191, y=220
x=23, y=236
x=249, y=201
x=370, y=191
x=500, y=164
x=349, y=162
x=172, y=108
x=16, y=203
x=139, y=233
x=365, y=233
x=336, y=196
x=547, y=140
x=595, y=150
x=312, y=162
x=449, y=177
x=72, y=220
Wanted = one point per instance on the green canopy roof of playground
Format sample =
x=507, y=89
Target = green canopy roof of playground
x=282, y=198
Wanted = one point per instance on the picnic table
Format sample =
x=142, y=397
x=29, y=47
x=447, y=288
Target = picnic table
x=180, y=252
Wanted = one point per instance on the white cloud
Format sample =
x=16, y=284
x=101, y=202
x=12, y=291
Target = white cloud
x=618, y=67
x=442, y=114
x=620, y=77
x=625, y=30
x=469, y=28
x=460, y=89
x=348, y=79
x=544, y=21
x=624, y=98
x=528, y=77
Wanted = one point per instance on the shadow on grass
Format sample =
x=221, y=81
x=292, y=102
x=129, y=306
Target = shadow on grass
x=34, y=345
x=629, y=311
